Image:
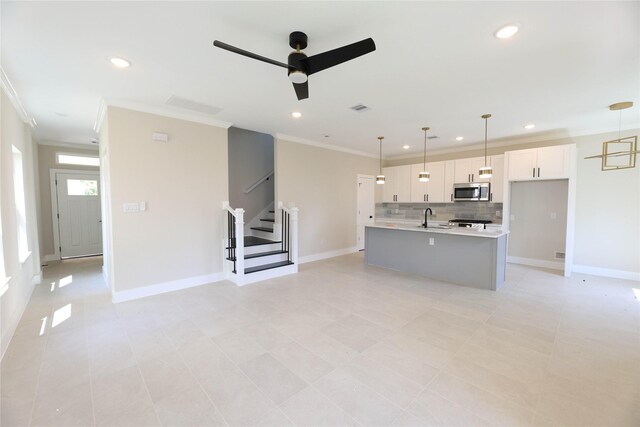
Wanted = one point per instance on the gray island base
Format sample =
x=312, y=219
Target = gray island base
x=472, y=258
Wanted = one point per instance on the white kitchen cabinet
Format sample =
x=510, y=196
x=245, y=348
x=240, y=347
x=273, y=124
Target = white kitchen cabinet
x=397, y=186
x=467, y=170
x=431, y=191
x=497, y=179
x=540, y=163
x=449, y=170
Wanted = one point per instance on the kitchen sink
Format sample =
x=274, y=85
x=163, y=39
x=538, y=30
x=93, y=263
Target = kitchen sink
x=437, y=227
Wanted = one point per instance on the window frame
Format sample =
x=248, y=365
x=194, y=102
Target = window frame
x=87, y=156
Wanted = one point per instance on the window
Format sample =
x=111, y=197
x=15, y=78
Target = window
x=21, y=209
x=76, y=159
x=82, y=187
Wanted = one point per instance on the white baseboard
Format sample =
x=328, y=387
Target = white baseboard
x=160, y=288
x=553, y=265
x=51, y=257
x=607, y=272
x=329, y=254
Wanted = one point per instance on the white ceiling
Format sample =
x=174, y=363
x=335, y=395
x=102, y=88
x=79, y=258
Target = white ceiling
x=436, y=64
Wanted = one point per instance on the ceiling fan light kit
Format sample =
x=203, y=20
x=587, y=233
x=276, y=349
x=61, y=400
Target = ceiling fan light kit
x=299, y=66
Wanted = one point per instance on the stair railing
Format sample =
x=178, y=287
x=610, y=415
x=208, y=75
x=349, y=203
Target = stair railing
x=235, y=237
x=258, y=182
x=289, y=231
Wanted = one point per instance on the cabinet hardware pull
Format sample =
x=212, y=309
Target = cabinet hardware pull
x=490, y=197
x=472, y=177
x=534, y=172
x=424, y=197
x=538, y=172
x=451, y=197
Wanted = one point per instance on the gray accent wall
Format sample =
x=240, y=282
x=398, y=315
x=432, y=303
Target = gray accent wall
x=250, y=158
x=538, y=219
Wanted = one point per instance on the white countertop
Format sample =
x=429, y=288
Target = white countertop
x=491, y=232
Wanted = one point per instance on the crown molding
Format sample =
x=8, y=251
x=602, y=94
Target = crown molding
x=102, y=112
x=8, y=88
x=518, y=140
x=159, y=111
x=298, y=140
x=69, y=145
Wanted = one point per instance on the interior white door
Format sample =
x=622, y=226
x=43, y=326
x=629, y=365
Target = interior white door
x=366, y=207
x=79, y=217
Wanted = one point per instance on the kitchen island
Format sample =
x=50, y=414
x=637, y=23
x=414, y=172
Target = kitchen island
x=468, y=257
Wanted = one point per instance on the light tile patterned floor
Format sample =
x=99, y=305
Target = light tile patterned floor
x=338, y=344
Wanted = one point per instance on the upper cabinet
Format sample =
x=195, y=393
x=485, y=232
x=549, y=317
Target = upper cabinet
x=431, y=191
x=467, y=170
x=397, y=185
x=497, y=179
x=540, y=163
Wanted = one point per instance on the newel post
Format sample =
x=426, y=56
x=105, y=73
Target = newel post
x=239, y=242
x=294, y=235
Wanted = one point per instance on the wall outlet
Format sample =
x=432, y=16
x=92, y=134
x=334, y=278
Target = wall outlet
x=143, y=206
x=498, y=214
x=432, y=241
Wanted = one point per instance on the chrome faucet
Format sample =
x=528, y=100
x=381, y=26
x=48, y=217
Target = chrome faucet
x=428, y=210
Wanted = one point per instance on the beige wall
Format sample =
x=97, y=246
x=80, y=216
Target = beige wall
x=607, y=233
x=23, y=275
x=322, y=184
x=46, y=162
x=183, y=182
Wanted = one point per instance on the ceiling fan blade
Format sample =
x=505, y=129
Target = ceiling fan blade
x=302, y=90
x=239, y=51
x=328, y=59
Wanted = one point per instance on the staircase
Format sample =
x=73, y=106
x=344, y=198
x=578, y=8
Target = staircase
x=271, y=250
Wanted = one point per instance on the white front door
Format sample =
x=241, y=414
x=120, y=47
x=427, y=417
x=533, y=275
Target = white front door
x=366, y=207
x=79, y=218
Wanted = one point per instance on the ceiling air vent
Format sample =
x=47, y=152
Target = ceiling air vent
x=360, y=108
x=433, y=137
x=188, y=104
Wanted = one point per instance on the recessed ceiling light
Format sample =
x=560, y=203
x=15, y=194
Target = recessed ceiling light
x=120, y=62
x=507, y=31
x=529, y=126
x=296, y=114
x=406, y=147
x=459, y=138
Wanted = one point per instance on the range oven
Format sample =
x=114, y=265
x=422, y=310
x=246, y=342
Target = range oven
x=471, y=192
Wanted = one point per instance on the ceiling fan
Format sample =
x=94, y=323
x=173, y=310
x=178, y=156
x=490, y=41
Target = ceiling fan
x=300, y=66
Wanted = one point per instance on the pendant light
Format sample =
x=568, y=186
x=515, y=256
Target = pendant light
x=485, y=171
x=380, y=177
x=424, y=175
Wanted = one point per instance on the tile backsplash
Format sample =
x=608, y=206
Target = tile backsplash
x=441, y=211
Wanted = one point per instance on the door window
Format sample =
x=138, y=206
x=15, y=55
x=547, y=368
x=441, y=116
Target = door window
x=82, y=187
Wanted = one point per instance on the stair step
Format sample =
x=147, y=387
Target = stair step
x=258, y=255
x=265, y=229
x=266, y=267
x=267, y=219
x=255, y=241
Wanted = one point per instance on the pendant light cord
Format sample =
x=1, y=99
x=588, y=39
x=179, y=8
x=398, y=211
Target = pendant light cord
x=424, y=160
x=620, y=125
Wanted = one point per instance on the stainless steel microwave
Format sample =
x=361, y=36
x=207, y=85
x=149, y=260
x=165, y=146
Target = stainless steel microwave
x=471, y=192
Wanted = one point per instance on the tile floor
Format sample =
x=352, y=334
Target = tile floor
x=340, y=343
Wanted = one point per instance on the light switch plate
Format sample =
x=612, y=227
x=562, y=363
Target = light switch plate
x=130, y=207
x=432, y=241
